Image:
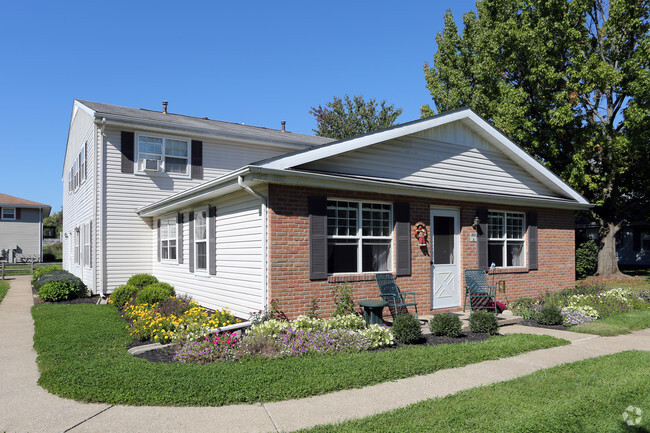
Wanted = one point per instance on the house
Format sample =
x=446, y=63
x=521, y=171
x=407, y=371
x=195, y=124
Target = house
x=632, y=241
x=183, y=198
x=21, y=229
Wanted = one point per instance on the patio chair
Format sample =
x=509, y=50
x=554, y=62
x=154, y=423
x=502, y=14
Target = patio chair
x=397, y=302
x=478, y=290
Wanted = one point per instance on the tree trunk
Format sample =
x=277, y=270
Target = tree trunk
x=607, y=262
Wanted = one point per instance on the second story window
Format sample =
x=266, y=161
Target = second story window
x=163, y=154
x=8, y=213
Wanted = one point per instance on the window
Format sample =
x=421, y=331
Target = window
x=201, y=239
x=173, y=153
x=75, y=173
x=82, y=164
x=76, y=245
x=8, y=213
x=86, y=258
x=168, y=239
x=506, y=232
x=359, y=236
x=70, y=181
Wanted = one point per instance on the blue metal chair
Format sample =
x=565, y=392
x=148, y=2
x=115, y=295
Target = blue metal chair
x=397, y=302
x=477, y=289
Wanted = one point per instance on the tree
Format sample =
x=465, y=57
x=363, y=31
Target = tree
x=569, y=82
x=56, y=220
x=345, y=118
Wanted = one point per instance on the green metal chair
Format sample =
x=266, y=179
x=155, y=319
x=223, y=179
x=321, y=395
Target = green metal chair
x=397, y=302
x=476, y=287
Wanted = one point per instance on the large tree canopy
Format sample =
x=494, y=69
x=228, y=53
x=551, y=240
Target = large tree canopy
x=345, y=118
x=568, y=80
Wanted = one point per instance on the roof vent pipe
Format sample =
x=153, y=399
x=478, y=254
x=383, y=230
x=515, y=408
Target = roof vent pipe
x=284, y=124
x=164, y=107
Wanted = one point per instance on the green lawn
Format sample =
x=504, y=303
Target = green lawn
x=82, y=355
x=641, y=282
x=618, y=324
x=4, y=288
x=585, y=396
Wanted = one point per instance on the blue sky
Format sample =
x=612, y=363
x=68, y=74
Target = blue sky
x=248, y=62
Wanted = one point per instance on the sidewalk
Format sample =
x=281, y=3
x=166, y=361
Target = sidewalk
x=26, y=407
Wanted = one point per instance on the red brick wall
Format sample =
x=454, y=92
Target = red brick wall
x=288, y=266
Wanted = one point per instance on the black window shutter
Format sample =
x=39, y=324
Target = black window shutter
x=17, y=214
x=482, y=238
x=191, y=233
x=90, y=244
x=532, y=240
x=179, y=233
x=403, y=238
x=317, y=237
x=159, y=241
x=212, y=240
x=197, y=159
x=126, y=147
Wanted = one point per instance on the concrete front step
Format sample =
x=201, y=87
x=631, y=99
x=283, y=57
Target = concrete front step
x=505, y=318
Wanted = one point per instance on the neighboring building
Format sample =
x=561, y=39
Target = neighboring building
x=21, y=229
x=632, y=242
x=181, y=198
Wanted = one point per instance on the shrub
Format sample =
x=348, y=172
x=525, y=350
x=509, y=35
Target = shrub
x=56, y=291
x=64, y=276
x=483, y=321
x=152, y=294
x=141, y=280
x=42, y=270
x=446, y=324
x=550, y=315
x=165, y=286
x=122, y=295
x=343, y=302
x=586, y=259
x=406, y=329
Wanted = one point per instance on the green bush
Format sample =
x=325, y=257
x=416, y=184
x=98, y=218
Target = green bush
x=42, y=270
x=483, y=321
x=406, y=329
x=141, y=280
x=56, y=291
x=586, y=259
x=524, y=307
x=446, y=324
x=64, y=276
x=343, y=302
x=153, y=294
x=165, y=286
x=122, y=295
x=550, y=315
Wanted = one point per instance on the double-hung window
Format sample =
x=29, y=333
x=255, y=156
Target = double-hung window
x=86, y=258
x=359, y=236
x=506, y=239
x=168, y=239
x=173, y=153
x=76, y=245
x=201, y=239
x=82, y=164
x=8, y=213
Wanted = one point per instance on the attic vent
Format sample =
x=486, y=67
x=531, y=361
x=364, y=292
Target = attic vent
x=284, y=124
x=164, y=107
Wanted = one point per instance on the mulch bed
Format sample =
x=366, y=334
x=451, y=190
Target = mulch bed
x=536, y=324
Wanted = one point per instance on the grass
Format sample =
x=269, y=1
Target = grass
x=585, y=396
x=641, y=282
x=4, y=288
x=82, y=355
x=13, y=269
x=56, y=250
x=618, y=324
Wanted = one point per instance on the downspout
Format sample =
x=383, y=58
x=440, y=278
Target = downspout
x=99, y=228
x=248, y=189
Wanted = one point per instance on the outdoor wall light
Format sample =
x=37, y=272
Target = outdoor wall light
x=476, y=223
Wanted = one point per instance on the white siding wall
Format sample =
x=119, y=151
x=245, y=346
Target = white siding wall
x=129, y=237
x=449, y=156
x=78, y=206
x=239, y=281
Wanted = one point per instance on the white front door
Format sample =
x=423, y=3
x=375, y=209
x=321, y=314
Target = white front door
x=445, y=257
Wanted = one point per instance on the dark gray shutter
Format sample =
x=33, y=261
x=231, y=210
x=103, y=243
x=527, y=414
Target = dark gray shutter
x=482, y=239
x=90, y=244
x=158, y=242
x=17, y=213
x=179, y=233
x=403, y=238
x=212, y=240
x=191, y=233
x=126, y=147
x=197, y=159
x=532, y=240
x=317, y=237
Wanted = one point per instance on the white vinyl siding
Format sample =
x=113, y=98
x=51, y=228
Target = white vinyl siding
x=449, y=157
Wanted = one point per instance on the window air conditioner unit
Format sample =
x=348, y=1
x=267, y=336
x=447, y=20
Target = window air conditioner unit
x=152, y=165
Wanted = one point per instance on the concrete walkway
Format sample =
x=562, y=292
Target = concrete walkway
x=26, y=407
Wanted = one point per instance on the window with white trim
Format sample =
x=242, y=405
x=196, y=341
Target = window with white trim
x=76, y=245
x=201, y=240
x=173, y=153
x=506, y=239
x=75, y=173
x=168, y=238
x=359, y=236
x=86, y=258
x=8, y=213
x=82, y=164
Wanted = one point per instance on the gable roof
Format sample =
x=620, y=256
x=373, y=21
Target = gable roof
x=468, y=117
x=7, y=200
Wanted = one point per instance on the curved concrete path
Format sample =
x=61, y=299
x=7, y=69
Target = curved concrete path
x=26, y=407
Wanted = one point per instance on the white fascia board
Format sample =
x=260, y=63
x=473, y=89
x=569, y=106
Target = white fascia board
x=163, y=127
x=332, y=181
x=338, y=147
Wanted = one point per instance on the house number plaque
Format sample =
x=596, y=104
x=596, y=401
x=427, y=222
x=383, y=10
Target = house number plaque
x=472, y=237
